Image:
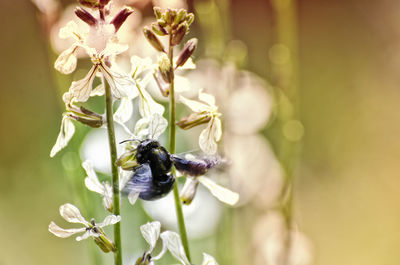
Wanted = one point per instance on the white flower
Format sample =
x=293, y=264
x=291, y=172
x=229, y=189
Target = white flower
x=171, y=242
x=100, y=44
x=204, y=112
x=67, y=130
x=72, y=214
x=221, y=193
x=104, y=188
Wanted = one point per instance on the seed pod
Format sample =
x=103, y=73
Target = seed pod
x=85, y=16
x=187, y=51
x=179, y=34
x=154, y=41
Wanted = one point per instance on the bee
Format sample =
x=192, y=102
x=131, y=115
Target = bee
x=152, y=178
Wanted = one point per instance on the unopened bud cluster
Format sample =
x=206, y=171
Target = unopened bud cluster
x=174, y=24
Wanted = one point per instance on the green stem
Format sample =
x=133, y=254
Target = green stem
x=286, y=82
x=172, y=133
x=114, y=170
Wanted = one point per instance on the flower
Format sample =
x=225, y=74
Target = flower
x=205, y=112
x=221, y=193
x=104, y=188
x=101, y=44
x=72, y=214
x=171, y=242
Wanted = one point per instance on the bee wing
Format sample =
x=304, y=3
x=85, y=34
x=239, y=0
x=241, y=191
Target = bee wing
x=194, y=167
x=221, y=193
x=140, y=182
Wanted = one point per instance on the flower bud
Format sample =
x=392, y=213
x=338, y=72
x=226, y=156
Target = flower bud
x=104, y=243
x=127, y=160
x=120, y=18
x=165, y=68
x=85, y=16
x=89, y=3
x=170, y=15
x=189, y=18
x=157, y=12
x=154, y=41
x=161, y=31
x=187, y=51
x=162, y=23
x=84, y=116
x=193, y=120
x=189, y=190
x=179, y=33
x=180, y=16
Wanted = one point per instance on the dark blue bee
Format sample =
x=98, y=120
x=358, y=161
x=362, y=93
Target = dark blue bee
x=152, y=178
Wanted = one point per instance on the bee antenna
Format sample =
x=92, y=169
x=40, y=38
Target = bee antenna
x=129, y=140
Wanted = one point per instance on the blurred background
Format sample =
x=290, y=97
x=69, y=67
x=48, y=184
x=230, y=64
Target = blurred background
x=309, y=92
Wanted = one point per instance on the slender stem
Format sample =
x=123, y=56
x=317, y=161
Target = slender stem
x=286, y=82
x=172, y=132
x=114, y=170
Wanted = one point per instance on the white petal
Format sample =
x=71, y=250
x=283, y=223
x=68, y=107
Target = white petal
x=208, y=260
x=151, y=233
x=217, y=129
x=174, y=245
x=64, y=233
x=114, y=48
x=98, y=91
x=194, y=105
x=66, y=61
x=207, y=98
x=124, y=177
x=157, y=126
x=133, y=196
x=108, y=196
x=221, y=193
x=69, y=31
x=110, y=220
x=122, y=85
x=206, y=139
x=67, y=130
x=86, y=235
x=142, y=128
x=91, y=181
x=81, y=89
x=147, y=105
x=139, y=65
x=72, y=214
x=124, y=111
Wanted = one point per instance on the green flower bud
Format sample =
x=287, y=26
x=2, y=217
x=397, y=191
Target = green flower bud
x=127, y=160
x=190, y=18
x=89, y=3
x=157, y=12
x=105, y=244
x=157, y=29
x=154, y=41
x=193, y=120
x=180, y=16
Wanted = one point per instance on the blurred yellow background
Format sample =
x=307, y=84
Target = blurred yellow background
x=346, y=187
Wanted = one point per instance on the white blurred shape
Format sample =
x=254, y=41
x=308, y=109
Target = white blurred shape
x=95, y=147
x=201, y=216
